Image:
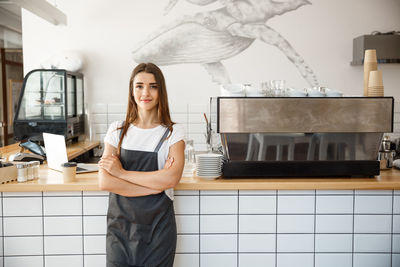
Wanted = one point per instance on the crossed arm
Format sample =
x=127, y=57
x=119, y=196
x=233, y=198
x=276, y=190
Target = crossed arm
x=113, y=178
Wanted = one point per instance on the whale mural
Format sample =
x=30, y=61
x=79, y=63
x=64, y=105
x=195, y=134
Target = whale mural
x=207, y=38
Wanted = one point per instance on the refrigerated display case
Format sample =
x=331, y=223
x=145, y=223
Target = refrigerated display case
x=51, y=100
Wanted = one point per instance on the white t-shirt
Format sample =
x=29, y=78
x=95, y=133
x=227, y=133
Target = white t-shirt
x=146, y=140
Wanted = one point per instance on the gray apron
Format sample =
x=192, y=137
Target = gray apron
x=141, y=231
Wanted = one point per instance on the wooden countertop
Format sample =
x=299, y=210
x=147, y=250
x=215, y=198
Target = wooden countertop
x=51, y=180
x=73, y=150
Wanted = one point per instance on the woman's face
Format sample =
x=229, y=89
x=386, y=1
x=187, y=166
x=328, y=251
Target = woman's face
x=145, y=91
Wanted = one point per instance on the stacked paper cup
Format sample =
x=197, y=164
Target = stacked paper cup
x=375, y=83
x=370, y=64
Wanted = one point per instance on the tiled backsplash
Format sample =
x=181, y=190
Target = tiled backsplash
x=242, y=228
x=190, y=116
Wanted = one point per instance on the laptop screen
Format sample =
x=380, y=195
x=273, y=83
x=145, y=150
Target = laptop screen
x=56, y=150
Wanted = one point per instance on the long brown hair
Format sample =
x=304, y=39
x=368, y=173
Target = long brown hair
x=132, y=110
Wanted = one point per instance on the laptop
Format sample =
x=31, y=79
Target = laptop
x=56, y=153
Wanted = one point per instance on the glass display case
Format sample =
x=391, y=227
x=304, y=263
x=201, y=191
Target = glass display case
x=50, y=101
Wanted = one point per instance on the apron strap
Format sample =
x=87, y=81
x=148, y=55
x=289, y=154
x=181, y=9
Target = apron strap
x=161, y=140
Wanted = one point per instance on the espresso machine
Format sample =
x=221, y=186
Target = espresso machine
x=301, y=136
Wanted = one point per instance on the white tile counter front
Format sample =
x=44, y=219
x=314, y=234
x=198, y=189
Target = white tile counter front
x=232, y=228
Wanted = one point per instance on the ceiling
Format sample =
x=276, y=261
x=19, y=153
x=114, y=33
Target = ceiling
x=10, y=19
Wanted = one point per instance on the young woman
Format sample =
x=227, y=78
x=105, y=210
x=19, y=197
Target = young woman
x=142, y=162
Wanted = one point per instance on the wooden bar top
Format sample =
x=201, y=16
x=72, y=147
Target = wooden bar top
x=73, y=150
x=51, y=180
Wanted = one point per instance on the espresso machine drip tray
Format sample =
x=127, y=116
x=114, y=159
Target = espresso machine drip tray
x=298, y=168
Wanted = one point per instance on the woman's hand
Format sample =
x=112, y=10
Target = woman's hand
x=168, y=162
x=112, y=165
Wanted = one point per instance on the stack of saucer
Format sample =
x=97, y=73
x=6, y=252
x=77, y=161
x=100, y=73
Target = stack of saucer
x=375, y=83
x=209, y=165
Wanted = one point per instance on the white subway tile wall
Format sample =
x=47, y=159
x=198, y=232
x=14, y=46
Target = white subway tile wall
x=190, y=116
x=350, y=228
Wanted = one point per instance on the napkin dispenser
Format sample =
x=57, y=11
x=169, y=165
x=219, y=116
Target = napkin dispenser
x=301, y=137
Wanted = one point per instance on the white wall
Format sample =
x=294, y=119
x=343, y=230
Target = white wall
x=105, y=32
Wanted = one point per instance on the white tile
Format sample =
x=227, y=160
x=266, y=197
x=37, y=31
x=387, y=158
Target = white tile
x=24, y=206
x=95, y=260
x=99, y=118
x=296, y=192
x=296, y=204
x=333, y=260
x=219, y=192
x=372, y=260
x=62, y=205
x=397, y=192
x=396, y=244
x=186, y=204
x=373, y=204
x=14, y=246
x=177, y=107
x=334, y=223
x=15, y=226
x=95, y=244
x=197, y=127
x=257, y=192
x=32, y=261
x=295, y=223
x=186, y=192
x=218, y=243
x=334, y=204
x=196, y=117
x=257, y=224
x=64, y=261
x=187, y=224
x=295, y=260
x=218, y=260
x=295, y=243
x=257, y=242
x=218, y=224
x=94, y=225
x=256, y=260
x=95, y=205
x=334, y=192
x=64, y=193
x=116, y=108
x=179, y=118
x=63, y=225
x=372, y=223
x=100, y=128
x=116, y=117
x=257, y=204
x=63, y=245
x=96, y=108
x=198, y=108
x=218, y=204
x=395, y=260
x=396, y=224
x=373, y=192
x=372, y=243
x=396, y=205
x=333, y=242
x=185, y=260
x=22, y=194
x=96, y=193
x=187, y=244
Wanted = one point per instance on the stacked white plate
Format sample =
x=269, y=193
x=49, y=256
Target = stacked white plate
x=209, y=165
